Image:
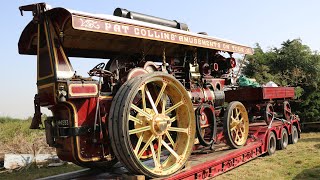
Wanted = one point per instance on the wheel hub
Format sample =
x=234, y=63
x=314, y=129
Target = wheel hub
x=160, y=124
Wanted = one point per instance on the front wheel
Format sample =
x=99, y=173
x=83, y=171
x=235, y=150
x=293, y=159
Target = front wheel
x=152, y=125
x=236, y=124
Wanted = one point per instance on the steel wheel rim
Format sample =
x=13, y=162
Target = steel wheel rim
x=239, y=125
x=272, y=144
x=167, y=127
x=285, y=138
x=286, y=110
x=269, y=113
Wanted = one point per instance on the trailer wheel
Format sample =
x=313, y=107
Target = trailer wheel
x=269, y=113
x=236, y=124
x=272, y=143
x=152, y=114
x=286, y=110
x=283, y=142
x=294, y=135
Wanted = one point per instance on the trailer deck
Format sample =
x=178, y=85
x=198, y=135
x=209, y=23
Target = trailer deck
x=207, y=163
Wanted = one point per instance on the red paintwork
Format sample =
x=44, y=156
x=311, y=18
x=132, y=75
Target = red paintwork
x=211, y=165
x=277, y=92
x=79, y=89
x=249, y=94
x=85, y=109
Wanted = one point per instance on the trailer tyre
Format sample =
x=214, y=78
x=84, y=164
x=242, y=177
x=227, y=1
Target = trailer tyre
x=272, y=143
x=294, y=135
x=236, y=124
x=283, y=142
x=152, y=116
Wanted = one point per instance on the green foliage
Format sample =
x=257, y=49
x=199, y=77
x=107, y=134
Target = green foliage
x=293, y=64
x=11, y=127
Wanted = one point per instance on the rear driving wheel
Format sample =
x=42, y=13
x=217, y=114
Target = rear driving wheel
x=236, y=124
x=152, y=125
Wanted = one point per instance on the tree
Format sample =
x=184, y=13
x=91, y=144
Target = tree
x=293, y=64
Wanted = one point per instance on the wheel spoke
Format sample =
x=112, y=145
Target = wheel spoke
x=139, y=130
x=233, y=119
x=136, y=149
x=183, y=130
x=238, y=113
x=164, y=102
x=154, y=157
x=174, y=107
x=233, y=128
x=159, y=149
x=241, y=131
x=132, y=118
x=145, y=146
x=170, y=138
x=151, y=101
x=141, y=111
x=143, y=97
x=160, y=93
x=173, y=119
x=237, y=137
x=236, y=133
x=170, y=150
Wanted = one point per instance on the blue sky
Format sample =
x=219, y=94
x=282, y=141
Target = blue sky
x=268, y=23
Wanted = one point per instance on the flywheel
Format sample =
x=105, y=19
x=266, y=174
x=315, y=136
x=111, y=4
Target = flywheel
x=152, y=125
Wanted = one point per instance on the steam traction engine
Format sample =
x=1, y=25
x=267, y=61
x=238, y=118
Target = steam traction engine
x=163, y=93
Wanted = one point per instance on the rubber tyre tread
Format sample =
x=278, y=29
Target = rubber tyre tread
x=269, y=150
x=281, y=144
x=293, y=131
x=113, y=123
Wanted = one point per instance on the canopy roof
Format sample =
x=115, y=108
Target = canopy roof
x=99, y=35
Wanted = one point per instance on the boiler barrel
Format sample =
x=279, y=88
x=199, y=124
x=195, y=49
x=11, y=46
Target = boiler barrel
x=151, y=19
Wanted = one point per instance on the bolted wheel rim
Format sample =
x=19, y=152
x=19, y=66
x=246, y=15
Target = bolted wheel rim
x=159, y=126
x=285, y=138
x=237, y=124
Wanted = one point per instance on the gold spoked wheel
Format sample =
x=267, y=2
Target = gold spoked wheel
x=236, y=124
x=152, y=125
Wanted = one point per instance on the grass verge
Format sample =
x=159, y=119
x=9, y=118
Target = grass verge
x=35, y=173
x=298, y=161
x=16, y=137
